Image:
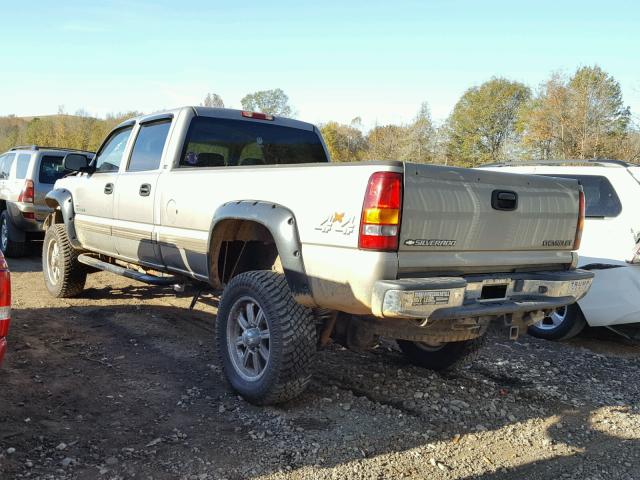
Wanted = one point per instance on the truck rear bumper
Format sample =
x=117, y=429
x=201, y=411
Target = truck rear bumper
x=441, y=298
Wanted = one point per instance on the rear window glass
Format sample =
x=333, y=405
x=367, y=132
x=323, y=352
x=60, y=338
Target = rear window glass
x=22, y=165
x=601, y=199
x=217, y=142
x=51, y=169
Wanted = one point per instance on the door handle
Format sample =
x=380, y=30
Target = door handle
x=504, y=200
x=145, y=190
x=108, y=188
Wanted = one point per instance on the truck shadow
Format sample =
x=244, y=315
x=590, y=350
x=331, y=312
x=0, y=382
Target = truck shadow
x=145, y=377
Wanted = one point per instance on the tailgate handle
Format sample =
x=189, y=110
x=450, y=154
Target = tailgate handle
x=504, y=200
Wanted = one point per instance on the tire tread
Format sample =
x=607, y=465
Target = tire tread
x=74, y=274
x=298, y=334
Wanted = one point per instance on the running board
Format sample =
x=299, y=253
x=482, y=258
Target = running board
x=126, y=272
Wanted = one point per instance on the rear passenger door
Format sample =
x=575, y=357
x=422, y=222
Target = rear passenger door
x=135, y=194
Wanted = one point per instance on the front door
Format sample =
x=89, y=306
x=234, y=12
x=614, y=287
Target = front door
x=93, y=198
x=135, y=196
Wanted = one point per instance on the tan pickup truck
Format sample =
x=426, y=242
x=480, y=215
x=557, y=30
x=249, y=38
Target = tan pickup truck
x=305, y=250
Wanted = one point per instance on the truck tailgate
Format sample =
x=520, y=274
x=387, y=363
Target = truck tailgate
x=448, y=209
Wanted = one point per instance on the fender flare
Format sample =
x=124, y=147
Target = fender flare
x=281, y=223
x=62, y=200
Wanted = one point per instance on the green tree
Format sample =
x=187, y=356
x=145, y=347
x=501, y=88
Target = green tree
x=419, y=138
x=483, y=121
x=212, y=100
x=386, y=142
x=582, y=117
x=274, y=102
x=344, y=142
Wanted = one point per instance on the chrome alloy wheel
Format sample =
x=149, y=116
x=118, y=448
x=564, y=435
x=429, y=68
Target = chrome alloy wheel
x=248, y=339
x=554, y=320
x=54, y=267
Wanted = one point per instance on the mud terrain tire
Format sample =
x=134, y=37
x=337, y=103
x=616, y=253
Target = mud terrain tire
x=266, y=341
x=64, y=276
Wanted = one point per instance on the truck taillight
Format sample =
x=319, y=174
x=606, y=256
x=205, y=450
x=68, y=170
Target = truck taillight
x=5, y=302
x=26, y=195
x=580, y=227
x=381, y=210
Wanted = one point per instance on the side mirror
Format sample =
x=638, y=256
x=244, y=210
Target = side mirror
x=76, y=162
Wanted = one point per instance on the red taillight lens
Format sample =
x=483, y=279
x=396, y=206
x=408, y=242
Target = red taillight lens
x=26, y=195
x=380, y=222
x=29, y=215
x=5, y=302
x=580, y=227
x=257, y=115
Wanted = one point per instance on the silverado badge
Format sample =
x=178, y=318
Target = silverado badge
x=422, y=242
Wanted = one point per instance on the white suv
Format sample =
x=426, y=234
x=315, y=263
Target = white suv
x=611, y=233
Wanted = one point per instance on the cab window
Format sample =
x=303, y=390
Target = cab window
x=147, y=151
x=110, y=155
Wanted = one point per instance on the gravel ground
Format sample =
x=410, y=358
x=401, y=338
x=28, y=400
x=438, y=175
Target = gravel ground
x=123, y=383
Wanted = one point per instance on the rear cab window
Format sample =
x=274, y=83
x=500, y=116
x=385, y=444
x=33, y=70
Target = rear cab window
x=220, y=142
x=601, y=199
x=51, y=169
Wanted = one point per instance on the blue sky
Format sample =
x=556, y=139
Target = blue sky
x=335, y=59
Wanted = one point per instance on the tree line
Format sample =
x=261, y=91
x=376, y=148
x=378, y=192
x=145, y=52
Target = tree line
x=567, y=117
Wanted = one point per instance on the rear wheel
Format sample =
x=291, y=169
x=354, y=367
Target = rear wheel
x=562, y=324
x=441, y=356
x=10, y=246
x=64, y=276
x=266, y=341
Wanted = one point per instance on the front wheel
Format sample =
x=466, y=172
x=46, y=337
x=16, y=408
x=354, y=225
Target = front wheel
x=441, y=356
x=563, y=323
x=266, y=341
x=64, y=276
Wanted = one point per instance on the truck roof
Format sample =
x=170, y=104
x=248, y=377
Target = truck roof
x=229, y=113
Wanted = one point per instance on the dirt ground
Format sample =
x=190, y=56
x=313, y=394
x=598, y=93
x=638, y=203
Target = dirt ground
x=123, y=383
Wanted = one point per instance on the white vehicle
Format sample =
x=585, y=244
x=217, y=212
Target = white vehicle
x=611, y=233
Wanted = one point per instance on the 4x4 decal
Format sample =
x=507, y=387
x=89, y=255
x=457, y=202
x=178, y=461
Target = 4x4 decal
x=338, y=222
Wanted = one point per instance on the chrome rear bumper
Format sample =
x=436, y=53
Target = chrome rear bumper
x=478, y=295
